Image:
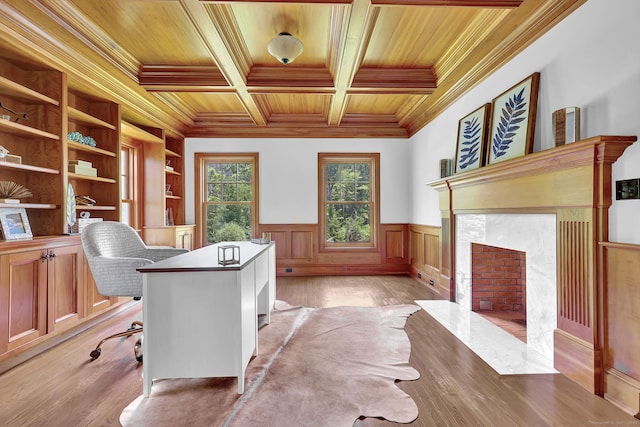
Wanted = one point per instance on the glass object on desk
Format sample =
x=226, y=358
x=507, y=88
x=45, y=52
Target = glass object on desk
x=228, y=254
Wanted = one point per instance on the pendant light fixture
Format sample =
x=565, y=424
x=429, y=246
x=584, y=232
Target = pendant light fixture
x=285, y=48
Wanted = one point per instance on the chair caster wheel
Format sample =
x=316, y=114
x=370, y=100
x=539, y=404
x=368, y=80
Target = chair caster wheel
x=95, y=353
x=137, y=350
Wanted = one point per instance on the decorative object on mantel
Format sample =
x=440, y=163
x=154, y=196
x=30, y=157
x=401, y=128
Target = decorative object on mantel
x=10, y=192
x=15, y=224
x=445, y=168
x=85, y=201
x=566, y=125
x=513, y=120
x=228, y=254
x=472, y=140
x=71, y=207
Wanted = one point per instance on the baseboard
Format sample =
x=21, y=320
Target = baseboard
x=19, y=355
x=623, y=391
x=341, y=270
x=577, y=359
x=432, y=279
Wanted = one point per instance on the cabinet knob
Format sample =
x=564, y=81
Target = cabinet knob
x=52, y=254
x=44, y=256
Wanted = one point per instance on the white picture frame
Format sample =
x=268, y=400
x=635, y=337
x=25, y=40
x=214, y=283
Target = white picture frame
x=15, y=224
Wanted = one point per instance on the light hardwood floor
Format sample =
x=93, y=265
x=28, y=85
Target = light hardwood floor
x=62, y=388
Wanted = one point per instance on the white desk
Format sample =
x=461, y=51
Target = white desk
x=201, y=318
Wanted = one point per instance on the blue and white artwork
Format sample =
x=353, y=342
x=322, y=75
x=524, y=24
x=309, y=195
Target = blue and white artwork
x=513, y=121
x=471, y=140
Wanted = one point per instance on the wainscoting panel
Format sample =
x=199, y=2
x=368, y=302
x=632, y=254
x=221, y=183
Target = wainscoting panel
x=395, y=243
x=622, y=332
x=302, y=245
x=425, y=260
x=297, y=252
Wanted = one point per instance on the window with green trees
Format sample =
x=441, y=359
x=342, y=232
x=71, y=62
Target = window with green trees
x=229, y=197
x=348, y=199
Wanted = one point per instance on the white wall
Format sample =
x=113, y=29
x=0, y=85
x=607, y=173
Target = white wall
x=590, y=60
x=289, y=174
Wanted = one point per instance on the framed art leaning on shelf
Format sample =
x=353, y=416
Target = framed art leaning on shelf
x=513, y=121
x=15, y=224
x=472, y=139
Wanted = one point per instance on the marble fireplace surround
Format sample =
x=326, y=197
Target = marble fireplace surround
x=560, y=197
x=534, y=234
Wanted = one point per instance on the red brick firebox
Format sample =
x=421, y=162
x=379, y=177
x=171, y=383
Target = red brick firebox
x=498, y=279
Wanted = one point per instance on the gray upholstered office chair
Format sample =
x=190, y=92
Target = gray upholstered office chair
x=114, y=251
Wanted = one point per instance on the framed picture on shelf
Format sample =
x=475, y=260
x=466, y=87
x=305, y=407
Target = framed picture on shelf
x=472, y=139
x=513, y=121
x=15, y=224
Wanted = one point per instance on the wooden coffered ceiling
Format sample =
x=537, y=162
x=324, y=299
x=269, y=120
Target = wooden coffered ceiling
x=370, y=68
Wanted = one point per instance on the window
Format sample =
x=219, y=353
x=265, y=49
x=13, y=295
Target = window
x=348, y=200
x=128, y=185
x=228, y=197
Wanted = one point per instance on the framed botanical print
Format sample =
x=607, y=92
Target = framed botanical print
x=513, y=121
x=472, y=139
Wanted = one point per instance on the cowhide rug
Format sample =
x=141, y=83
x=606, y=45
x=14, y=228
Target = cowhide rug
x=316, y=367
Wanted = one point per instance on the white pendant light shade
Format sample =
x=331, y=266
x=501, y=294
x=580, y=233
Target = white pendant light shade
x=285, y=48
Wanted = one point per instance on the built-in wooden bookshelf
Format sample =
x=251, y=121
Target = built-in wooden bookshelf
x=98, y=120
x=30, y=129
x=174, y=180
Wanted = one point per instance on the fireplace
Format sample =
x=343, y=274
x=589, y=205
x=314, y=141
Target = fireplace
x=553, y=205
x=533, y=234
x=498, y=279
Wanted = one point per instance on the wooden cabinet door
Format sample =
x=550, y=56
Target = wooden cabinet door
x=65, y=290
x=23, y=298
x=95, y=302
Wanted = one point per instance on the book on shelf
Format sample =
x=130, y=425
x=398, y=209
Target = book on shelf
x=10, y=201
x=82, y=163
x=83, y=170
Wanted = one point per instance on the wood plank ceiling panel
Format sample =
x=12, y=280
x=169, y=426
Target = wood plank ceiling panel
x=370, y=68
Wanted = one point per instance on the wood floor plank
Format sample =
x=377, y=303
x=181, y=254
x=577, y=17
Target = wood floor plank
x=61, y=387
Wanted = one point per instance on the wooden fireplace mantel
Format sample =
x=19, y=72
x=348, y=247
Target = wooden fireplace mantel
x=573, y=182
x=572, y=175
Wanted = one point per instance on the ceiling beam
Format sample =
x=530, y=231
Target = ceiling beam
x=177, y=78
x=355, y=37
x=211, y=23
x=289, y=76
x=401, y=80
